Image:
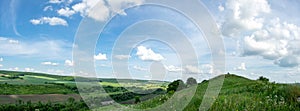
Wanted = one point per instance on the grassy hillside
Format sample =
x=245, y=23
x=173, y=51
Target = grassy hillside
x=238, y=93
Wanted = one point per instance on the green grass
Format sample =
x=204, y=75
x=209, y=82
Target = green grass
x=238, y=93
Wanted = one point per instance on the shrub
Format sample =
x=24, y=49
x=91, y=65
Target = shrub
x=176, y=86
x=137, y=99
x=264, y=79
x=191, y=81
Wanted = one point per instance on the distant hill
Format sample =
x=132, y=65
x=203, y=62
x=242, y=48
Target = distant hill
x=17, y=74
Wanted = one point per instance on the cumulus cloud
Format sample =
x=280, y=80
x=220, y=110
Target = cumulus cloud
x=172, y=68
x=69, y=63
x=100, y=56
x=67, y=12
x=260, y=34
x=244, y=15
x=53, y=21
x=139, y=68
x=50, y=64
x=148, y=54
x=242, y=67
x=95, y=9
x=99, y=10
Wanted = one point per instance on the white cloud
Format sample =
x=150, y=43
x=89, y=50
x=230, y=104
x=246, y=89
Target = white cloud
x=95, y=9
x=66, y=12
x=208, y=69
x=1, y=65
x=148, y=54
x=100, y=11
x=173, y=68
x=244, y=15
x=56, y=1
x=50, y=64
x=259, y=33
x=121, y=57
x=100, y=57
x=117, y=6
x=242, y=67
x=69, y=63
x=13, y=41
x=1, y=59
x=29, y=69
x=53, y=21
x=140, y=68
x=50, y=8
x=221, y=8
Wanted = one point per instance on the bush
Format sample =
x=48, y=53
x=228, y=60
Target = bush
x=176, y=86
x=264, y=79
x=191, y=81
x=137, y=99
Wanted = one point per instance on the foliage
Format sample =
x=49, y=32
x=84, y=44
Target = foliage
x=191, y=81
x=264, y=79
x=137, y=99
x=176, y=86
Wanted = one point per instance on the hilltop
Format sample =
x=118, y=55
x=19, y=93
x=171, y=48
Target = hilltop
x=237, y=93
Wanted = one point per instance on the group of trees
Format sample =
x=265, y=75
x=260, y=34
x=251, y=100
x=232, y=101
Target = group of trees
x=179, y=85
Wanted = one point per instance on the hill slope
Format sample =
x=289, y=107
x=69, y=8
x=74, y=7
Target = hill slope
x=238, y=93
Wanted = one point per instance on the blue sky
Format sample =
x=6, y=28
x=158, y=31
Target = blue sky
x=261, y=38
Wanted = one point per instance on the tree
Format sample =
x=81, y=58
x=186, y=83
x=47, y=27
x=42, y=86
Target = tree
x=176, y=86
x=137, y=99
x=191, y=81
x=264, y=79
